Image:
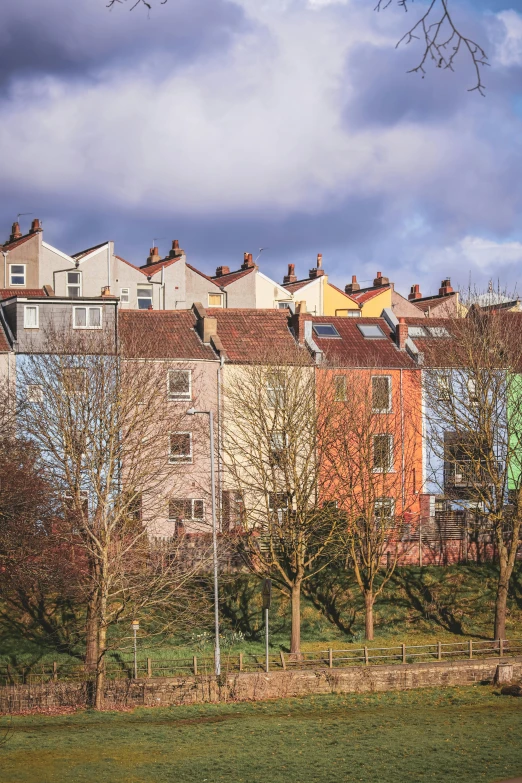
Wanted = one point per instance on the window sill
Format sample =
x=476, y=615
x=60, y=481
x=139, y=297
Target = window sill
x=31, y=327
x=180, y=460
x=88, y=328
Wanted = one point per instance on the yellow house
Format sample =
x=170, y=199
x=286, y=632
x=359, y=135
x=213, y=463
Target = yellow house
x=324, y=298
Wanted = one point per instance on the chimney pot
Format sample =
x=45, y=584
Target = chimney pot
x=222, y=270
x=35, y=226
x=380, y=280
x=15, y=231
x=445, y=287
x=291, y=277
x=175, y=244
x=415, y=293
x=350, y=288
x=319, y=260
x=248, y=262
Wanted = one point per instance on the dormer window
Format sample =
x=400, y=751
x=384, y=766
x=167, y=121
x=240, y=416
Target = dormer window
x=371, y=331
x=17, y=274
x=325, y=330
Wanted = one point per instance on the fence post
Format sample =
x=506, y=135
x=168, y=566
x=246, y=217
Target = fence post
x=55, y=670
x=240, y=661
x=195, y=665
x=501, y=647
x=366, y=656
x=439, y=651
x=149, y=667
x=403, y=653
x=470, y=644
x=330, y=658
x=283, y=662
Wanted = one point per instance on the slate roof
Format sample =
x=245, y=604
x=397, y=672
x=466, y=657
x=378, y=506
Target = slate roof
x=225, y=280
x=256, y=336
x=162, y=334
x=352, y=349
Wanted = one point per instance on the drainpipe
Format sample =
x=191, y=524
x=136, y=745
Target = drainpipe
x=220, y=437
x=4, y=253
x=109, y=265
x=163, y=284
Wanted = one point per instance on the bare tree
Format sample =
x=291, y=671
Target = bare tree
x=473, y=394
x=275, y=436
x=106, y=442
x=441, y=40
x=373, y=474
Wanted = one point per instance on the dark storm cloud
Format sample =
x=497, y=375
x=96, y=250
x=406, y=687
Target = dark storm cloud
x=82, y=38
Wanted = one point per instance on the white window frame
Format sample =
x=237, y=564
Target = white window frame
x=87, y=311
x=283, y=304
x=192, y=518
x=182, y=459
x=388, y=409
x=274, y=386
x=149, y=287
x=221, y=299
x=17, y=274
x=443, y=388
x=74, y=285
x=343, y=396
x=124, y=292
x=170, y=395
x=26, y=323
x=391, y=452
x=380, y=502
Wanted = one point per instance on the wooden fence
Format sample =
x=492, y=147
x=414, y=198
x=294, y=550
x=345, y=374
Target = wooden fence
x=249, y=662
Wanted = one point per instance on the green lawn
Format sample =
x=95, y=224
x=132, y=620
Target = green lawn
x=450, y=735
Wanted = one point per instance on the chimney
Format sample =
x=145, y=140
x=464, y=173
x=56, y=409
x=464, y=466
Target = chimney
x=247, y=261
x=106, y=290
x=297, y=321
x=401, y=334
x=415, y=293
x=291, y=277
x=15, y=232
x=176, y=251
x=352, y=287
x=222, y=270
x=380, y=280
x=154, y=256
x=318, y=270
x=445, y=287
x=35, y=227
x=206, y=326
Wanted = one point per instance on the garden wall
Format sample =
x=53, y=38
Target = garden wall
x=247, y=686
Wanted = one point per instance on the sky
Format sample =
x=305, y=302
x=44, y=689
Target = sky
x=288, y=125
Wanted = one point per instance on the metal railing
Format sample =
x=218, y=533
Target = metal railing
x=250, y=662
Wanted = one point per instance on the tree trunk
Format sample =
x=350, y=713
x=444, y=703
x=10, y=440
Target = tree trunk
x=295, y=640
x=91, y=632
x=501, y=607
x=368, y=615
x=100, y=669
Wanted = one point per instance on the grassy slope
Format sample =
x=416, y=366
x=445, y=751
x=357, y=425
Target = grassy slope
x=418, y=607
x=459, y=735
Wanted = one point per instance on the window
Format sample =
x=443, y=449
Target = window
x=34, y=393
x=87, y=317
x=31, y=319
x=179, y=384
x=232, y=509
x=472, y=391
x=437, y=331
x=274, y=391
x=325, y=330
x=124, y=295
x=74, y=284
x=284, y=305
x=384, y=510
x=382, y=453
x=215, y=300
x=416, y=331
x=186, y=509
x=278, y=501
x=381, y=393
x=340, y=388
x=74, y=380
x=443, y=388
x=180, y=447
x=278, y=442
x=371, y=331
x=144, y=297
x=354, y=313
x=17, y=274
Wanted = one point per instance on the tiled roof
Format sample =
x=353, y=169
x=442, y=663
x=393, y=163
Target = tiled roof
x=430, y=302
x=352, y=349
x=162, y=334
x=251, y=336
x=435, y=349
x=292, y=287
x=7, y=293
x=210, y=280
x=365, y=296
x=4, y=344
x=340, y=290
x=151, y=269
x=88, y=250
x=225, y=280
x=21, y=241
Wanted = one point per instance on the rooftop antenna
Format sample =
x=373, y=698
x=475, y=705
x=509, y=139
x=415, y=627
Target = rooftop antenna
x=156, y=239
x=260, y=251
x=21, y=214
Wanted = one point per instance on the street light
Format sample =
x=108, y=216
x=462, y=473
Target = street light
x=217, y=651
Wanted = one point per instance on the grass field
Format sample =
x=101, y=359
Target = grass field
x=453, y=735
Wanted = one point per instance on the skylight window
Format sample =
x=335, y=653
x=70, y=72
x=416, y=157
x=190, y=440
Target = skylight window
x=371, y=332
x=417, y=331
x=437, y=331
x=326, y=330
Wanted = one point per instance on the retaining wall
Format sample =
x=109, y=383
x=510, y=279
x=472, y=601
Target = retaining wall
x=258, y=686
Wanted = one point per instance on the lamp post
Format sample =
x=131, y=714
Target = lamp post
x=217, y=651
